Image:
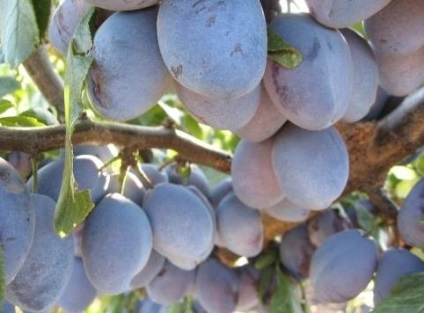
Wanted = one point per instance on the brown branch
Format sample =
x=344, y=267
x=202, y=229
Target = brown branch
x=41, y=70
x=35, y=140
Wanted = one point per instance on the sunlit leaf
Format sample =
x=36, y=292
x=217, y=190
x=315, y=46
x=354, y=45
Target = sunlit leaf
x=281, y=52
x=19, y=30
x=286, y=298
x=5, y=105
x=8, y=85
x=407, y=296
x=73, y=204
x=42, y=10
x=20, y=121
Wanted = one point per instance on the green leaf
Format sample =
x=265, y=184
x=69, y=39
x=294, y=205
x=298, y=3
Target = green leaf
x=407, y=296
x=365, y=218
x=264, y=282
x=281, y=52
x=286, y=298
x=19, y=30
x=2, y=281
x=266, y=260
x=42, y=10
x=74, y=205
x=8, y=85
x=5, y=105
x=20, y=121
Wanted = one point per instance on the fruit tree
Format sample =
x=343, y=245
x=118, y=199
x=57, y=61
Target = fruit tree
x=215, y=156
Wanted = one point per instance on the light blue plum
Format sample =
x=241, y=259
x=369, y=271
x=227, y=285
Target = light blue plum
x=344, y=13
x=315, y=94
x=296, y=251
x=311, y=167
x=17, y=220
x=127, y=76
x=86, y=172
x=239, y=227
x=213, y=47
x=230, y=114
x=365, y=77
x=152, y=268
x=79, y=292
x=122, y=5
x=216, y=287
x=342, y=266
x=171, y=285
x=266, y=121
x=323, y=226
x=64, y=21
x=116, y=243
x=393, y=265
x=48, y=265
x=411, y=213
x=183, y=225
x=254, y=179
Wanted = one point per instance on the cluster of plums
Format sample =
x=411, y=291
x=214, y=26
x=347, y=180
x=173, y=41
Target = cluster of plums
x=158, y=231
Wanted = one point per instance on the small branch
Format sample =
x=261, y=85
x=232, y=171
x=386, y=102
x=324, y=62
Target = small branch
x=35, y=140
x=44, y=76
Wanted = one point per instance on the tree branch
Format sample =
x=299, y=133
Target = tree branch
x=35, y=140
x=41, y=70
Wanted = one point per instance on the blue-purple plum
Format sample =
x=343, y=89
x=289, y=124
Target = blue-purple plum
x=196, y=178
x=64, y=21
x=48, y=265
x=216, y=287
x=254, y=180
x=230, y=114
x=411, y=213
x=183, y=226
x=365, y=77
x=133, y=188
x=127, y=76
x=344, y=13
x=296, y=251
x=400, y=74
x=312, y=167
x=152, y=268
x=122, y=5
x=342, y=266
x=17, y=220
x=325, y=225
x=116, y=243
x=396, y=29
x=266, y=121
x=224, y=187
x=171, y=284
x=393, y=265
x=248, y=284
x=315, y=94
x=86, y=172
x=285, y=210
x=7, y=307
x=79, y=293
x=21, y=161
x=239, y=227
x=153, y=175
x=212, y=47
